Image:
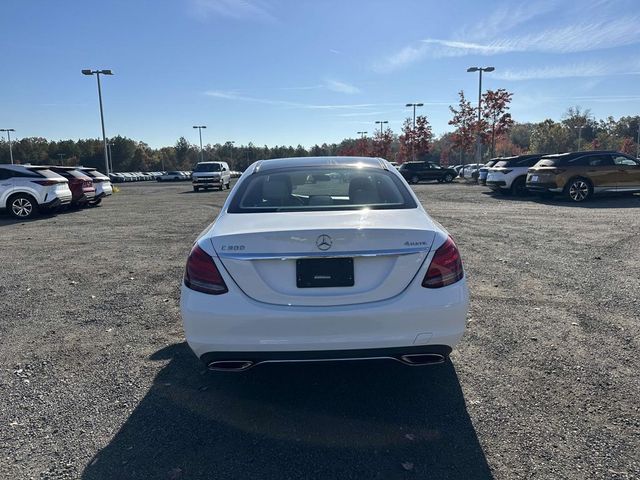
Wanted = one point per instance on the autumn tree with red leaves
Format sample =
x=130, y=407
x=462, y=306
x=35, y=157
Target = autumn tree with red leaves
x=382, y=143
x=465, y=122
x=497, y=119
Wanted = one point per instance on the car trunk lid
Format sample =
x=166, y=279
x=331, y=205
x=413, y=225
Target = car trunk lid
x=266, y=253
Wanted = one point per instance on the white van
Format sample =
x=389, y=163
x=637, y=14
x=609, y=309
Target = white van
x=211, y=174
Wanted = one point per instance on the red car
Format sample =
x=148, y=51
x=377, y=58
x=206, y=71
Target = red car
x=81, y=185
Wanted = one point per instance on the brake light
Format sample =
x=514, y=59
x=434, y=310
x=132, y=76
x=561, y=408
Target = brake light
x=47, y=183
x=201, y=273
x=445, y=268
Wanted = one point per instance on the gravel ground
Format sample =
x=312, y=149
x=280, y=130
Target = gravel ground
x=96, y=381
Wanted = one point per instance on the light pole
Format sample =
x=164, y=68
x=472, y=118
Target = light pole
x=414, y=105
x=9, y=130
x=109, y=145
x=97, y=73
x=579, y=135
x=200, y=127
x=381, y=122
x=637, y=144
x=478, y=143
x=232, y=143
x=362, y=134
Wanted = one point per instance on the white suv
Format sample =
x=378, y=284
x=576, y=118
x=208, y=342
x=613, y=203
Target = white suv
x=211, y=174
x=26, y=189
x=509, y=175
x=101, y=182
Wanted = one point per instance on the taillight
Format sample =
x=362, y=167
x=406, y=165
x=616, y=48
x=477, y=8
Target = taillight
x=47, y=183
x=446, y=267
x=201, y=273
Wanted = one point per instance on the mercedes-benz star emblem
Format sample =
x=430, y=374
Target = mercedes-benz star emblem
x=324, y=242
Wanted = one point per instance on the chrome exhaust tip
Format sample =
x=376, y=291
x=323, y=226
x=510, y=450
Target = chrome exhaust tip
x=418, y=359
x=230, y=365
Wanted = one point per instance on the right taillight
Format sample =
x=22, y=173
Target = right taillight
x=445, y=268
x=201, y=273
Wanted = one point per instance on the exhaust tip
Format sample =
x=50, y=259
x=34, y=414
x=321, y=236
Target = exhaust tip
x=230, y=365
x=422, y=359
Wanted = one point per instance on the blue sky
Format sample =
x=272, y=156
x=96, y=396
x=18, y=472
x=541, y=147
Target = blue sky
x=302, y=71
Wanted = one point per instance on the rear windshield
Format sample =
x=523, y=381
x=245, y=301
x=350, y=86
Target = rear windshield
x=45, y=172
x=518, y=162
x=207, y=167
x=321, y=189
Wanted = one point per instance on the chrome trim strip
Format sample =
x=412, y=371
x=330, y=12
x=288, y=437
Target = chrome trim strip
x=293, y=256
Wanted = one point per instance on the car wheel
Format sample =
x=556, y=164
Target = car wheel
x=578, y=189
x=96, y=202
x=196, y=189
x=519, y=187
x=22, y=206
x=415, y=179
x=221, y=186
x=448, y=178
x=229, y=186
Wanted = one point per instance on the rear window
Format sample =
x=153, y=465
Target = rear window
x=321, y=189
x=207, y=167
x=518, y=162
x=45, y=172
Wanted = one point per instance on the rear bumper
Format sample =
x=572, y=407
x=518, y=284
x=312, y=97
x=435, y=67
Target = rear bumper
x=496, y=184
x=543, y=187
x=233, y=322
x=256, y=358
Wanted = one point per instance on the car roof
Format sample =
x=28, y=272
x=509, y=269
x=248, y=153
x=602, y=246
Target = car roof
x=578, y=154
x=294, y=162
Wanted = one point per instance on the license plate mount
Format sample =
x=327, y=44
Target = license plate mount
x=324, y=272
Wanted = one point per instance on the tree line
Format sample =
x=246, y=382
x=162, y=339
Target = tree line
x=500, y=135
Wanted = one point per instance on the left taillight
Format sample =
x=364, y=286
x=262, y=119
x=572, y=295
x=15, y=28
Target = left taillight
x=48, y=183
x=445, y=268
x=201, y=273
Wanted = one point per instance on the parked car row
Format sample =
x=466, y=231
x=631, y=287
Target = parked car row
x=121, y=177
x=26, y=190
x=575, y=175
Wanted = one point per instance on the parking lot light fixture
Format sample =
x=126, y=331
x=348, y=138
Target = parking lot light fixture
x=362, y=134
x=414, y=105
x=479, y=70
x=9, y=130
x=381, y=122
x=200, y=127
x=97, y=73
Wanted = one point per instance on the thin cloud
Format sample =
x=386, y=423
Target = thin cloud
x=236, y=9
x=578, y=37
x=230, y=95
x=332, y=85
x=573, y=70
x=341, y=87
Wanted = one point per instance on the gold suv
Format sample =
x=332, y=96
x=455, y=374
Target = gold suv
x=579, y=175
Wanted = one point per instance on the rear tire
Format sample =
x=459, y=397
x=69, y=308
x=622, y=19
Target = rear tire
x=22, y=206
x=448, y=178
x=196, y=189
x=228, y=185
x=221, y=186
x=578, y=189
x=519, y=187
x=415, y=179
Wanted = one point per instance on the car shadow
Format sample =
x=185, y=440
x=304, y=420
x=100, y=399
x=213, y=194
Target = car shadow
x=612, y=200
x=366, y=420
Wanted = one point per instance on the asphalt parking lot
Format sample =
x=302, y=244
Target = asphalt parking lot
x=96, y=381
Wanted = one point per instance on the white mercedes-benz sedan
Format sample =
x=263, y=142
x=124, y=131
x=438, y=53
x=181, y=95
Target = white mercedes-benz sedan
x=323, y=258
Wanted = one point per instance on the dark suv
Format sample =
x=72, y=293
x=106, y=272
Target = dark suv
x=414, y=172
x=579, y=175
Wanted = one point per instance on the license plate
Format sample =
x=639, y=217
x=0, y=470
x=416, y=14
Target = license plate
x=534, y=178
x=324, y=272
